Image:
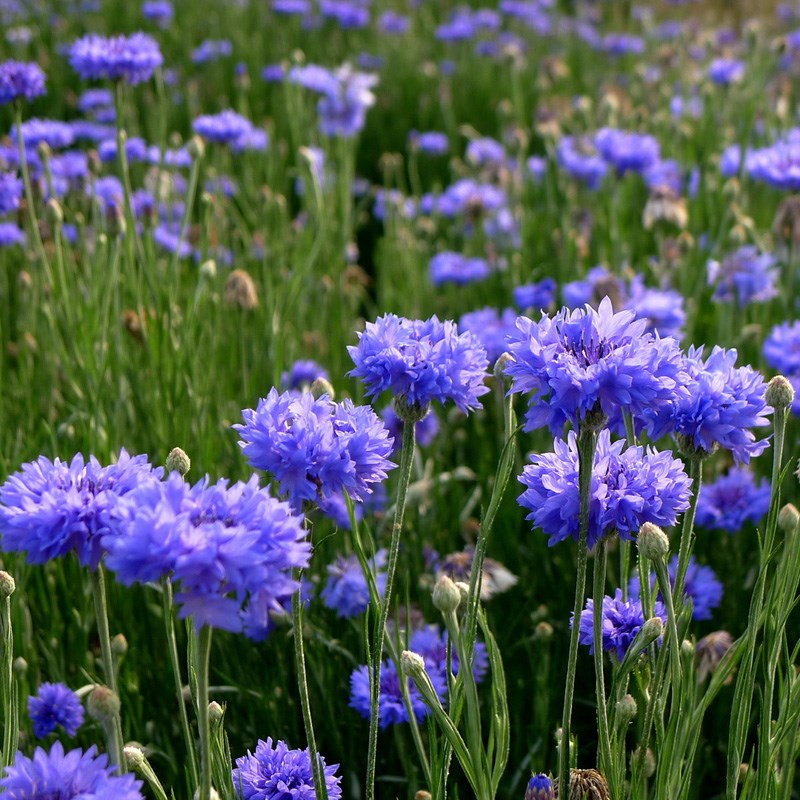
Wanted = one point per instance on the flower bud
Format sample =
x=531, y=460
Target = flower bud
x=423, y=794
x=412, y=664
x=649, y=761
x=500, y=366
x=652, y=542
x=215, y=712
x=214, y=795
x=779, y=393
x=322, y=386
x=134, y=757
x=410, y=412
x=540, y=787
x=788, y=519
x=103, y=704
x=687, y=649
x=20, y=665
x=543, y=632
x=55, y=214
x=446, y=595
x=7, y=585
x=208, y=269
x=178, y=461
x=652, y=629
x=196, y=148
x=626, y=708
x=119, y=645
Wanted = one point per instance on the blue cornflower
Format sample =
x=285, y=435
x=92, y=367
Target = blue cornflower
x=778, y=164
x=485, y=150
x=584, y=361
x=20, y=79
x=622, y=621
x=782, y=348
x=391, y=709
x=316, y=448
x=621, y=44
x=625, y=151
x=278, y=773
x=55, y=133
x=211, y=50
x=11, y=234
x=53, y=507
x=580, y=158
x=346, y=590
x=629, y=487
x=700, y=586
x=431, y=142
x=161, y=12
x=451, y=267
x=226, y=127
x=302, y=374
x=10, y=192
x=347, y=15
x=721, y=404
x=661, y=308
x=231, y=549
x=55, y=704
x=431, y=643
x=420, y=361
x=75, y=775
x=536, y=296
x=343, y=108
x=732, y=500
x=745, y=276
x=132, y=59
x=540, y=787
x=93, y=99
x=471, y=198
x=725, y=71
x=491, y=327
x=392, y=22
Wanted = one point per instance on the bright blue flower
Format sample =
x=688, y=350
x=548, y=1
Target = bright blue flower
x=540, y=787
x=431, y=142
x=491, y=327
x=485, y=150
x=347, y=15
x=782, y=348
x=625, y=151
x=93, y=99
x=725, y=71
x=53, y=507
x=231, y=549
x=55, y=133
x=132, y=59
x=10, y=192
x=211, y=50
x=136, y=149
x=733, y=500
x=392, y=22
x=161, y=12
x=581, y=159
x=621, y=44
x=420, y=361
x=537, y=297
x=700, y=586
x=661, y=308
x=622, y=621
x=66, y=776
x=316, y=448
x=451, y=267
x=778, y=164
x=629, y=487
x=430, y=642
x=343, y=109
x=584, y=361
x=20, y=79
x=469, y=197
x=55, y=704
x=744, y=276
x=346, y=590
x=278, y=773
x=302, y=374
x=10, y=235
x=225, y=127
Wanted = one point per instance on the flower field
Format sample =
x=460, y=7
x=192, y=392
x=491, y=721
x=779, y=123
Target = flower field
x=400, y=400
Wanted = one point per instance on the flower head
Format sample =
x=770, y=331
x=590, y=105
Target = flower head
x=540, y=787
x=420, y=361
x=52, y=507
x=302, y=374
x=491, y=327
x=745, y=276
x=625, y=151
x=732, y=500
x=452, y=267
x=583, y=361
x=629, y=487
x=20, y=79
x=132, y=59
x=274, y=772
x=67, y=776
x=227, y=127
x=55, y=704
x=782, y=348
x=346, y=590
x=10, y=192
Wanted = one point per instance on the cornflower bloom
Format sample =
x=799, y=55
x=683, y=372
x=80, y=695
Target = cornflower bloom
x=451, y=267
x=725, y=71
x=20, y=80
x=580, y=158
x=782, y=348
x=433, y=143
x=540, y=787
x=131, y=59
x=625, y=151
x=55, y=133
x=628, y=488
x=302, y=374
x=622, y=621
x=733, y=500
x=316, y=448
x=343, y=108
x=53, y=705
x=420, y=361
x=491, y=327
x=431, y=643
x=67, y=776
x=700, y=586
x=536, y=296
x=275, y=772
x=10, y=192
x=52, y=507
x=11, y=234
x=231, y=550
x=161, y=12
x=211, y=50
x=778, y=164
x=226, y=127
x=586, y=362
x=346, y=590
x=745, y=276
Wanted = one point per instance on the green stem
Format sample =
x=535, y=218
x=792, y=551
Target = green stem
x=587, y=441
x=320, y=787
x=696, y=474
x=406, y=463
x=202, y=654
x=172, y=647
x=598, y=589
x=9, y=694
x=672, y=628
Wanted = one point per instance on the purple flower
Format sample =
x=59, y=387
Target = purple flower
x=540, y=787
x=230, y=549
x=431, y=643
x=211, y=50
x=582, y=361
x=745, y=276
x=725, y=71
x=625, y=151
x=431, y=142
x=491, y=328
x=621, y=44
x=536, y=296
x=580, y=158
x=483, y=151
x=316, y=448
x=53, y=507
x=392, y=22
x=55, y=133
x=629, y=487
x=346, y=590
x=782, y=348
x=225, y=127
x=450, y=267
x=78, y=775
x=20, y=79
x=348, y=15
x=10, y=192
x=778, y=164
x=732, y=500
x=700, y=586
x=11, y=235
x=622, y=621
x=55, y=704
x=661, y=308
x=420, y=361
x=132, y=59
x=721, y=404
x=278, y=773
x=159, y=11
x=93, y=99
x=343, y=108
x=302, y=374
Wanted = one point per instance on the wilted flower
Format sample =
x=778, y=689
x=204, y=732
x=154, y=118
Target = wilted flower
x=240, y=290
x=710, y=650
x=495, y=578
x=55, y=704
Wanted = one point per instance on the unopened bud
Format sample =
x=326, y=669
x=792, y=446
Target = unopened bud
x=649, y=765
x=652, y=542
x=540, y=787
x=543, y=632
x=20, y=665
x=446, y=595
x=652, y=629
x=119, y=645
x=626, y=708
x=7, y=585
x=322, y=386
x=103, y=704
x=196, y=148
x=743, y=770
x=215, y=712
x=687, y=649
x=54, y=211
x=501, y=364
x=788, y=518
x=780, y=392
x=423, y=794
x=214, y=795
x=412, y=664
x=410, y=412
x=208, y=269
x=134, y=757
x=178, y=461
